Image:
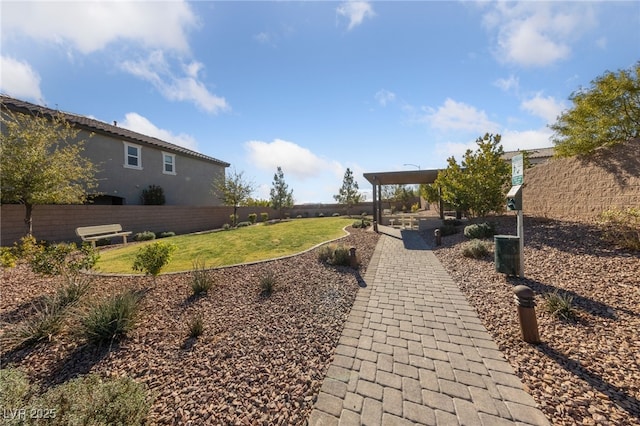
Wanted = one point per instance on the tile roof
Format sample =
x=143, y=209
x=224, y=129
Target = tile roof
x=97, y=126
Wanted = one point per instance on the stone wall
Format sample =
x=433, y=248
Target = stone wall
x=579, y=189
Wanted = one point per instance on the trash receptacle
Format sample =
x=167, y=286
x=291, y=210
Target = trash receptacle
x=507, y=254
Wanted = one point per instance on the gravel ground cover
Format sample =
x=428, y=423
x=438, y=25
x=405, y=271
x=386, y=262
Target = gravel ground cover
x=585, y=371
x=261, y=359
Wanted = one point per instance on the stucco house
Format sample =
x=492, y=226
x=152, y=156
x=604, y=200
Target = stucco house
x=129, y=162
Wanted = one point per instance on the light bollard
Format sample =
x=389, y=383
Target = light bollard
x=525, y=300
x=437, y=233
x=353, y=260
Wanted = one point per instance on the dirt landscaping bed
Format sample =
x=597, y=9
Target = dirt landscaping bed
x=261, y=358
x=585, y=371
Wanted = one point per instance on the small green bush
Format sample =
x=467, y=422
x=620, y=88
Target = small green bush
x=320, y=214
x=560, y=305
x=153, y=196
x=336, y=214
x=475, y=249
x=201, y=280
x=15, y=390
x=243, y=224
x=448, y=229
x=165, y=234
x=151, y=258
x=233, y=218
x=268, y=283
x=415, y=207
x=363, y=223
x=253, y=217
x=64, y=259
x=621, y=227
x=91, y=400
x=196, y=326
x=299, y=216
x=144, y=236
x=111, y=319
x=479, y=230
x=8, y=259
x=27, y=248
x=264, y=216
x=226, y=227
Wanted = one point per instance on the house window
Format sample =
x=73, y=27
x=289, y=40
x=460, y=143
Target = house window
x=168, y=163
x=132, y=156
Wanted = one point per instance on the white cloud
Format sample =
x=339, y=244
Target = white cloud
x=384, y=97
x=137, y=123
x=508, y=84
x=19, y=80
x=460, y=116
x=537, y=33
x=176, y=86
x=295, y=160
x=513, y=140
x=547, y=108
x=356, y=12
x=91, y=26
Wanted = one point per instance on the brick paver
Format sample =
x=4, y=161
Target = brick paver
x=414, y=351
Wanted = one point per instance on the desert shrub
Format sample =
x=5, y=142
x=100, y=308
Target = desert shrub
x=111, y=319
x=320, y=214
x=268, y=283
x=70, y=292
x=144, y=236
x=153, y=196
x=475, y=249
x=233, y=218
x=15, y=390
x=479, y=230
x=8, y=259
x=91, y=400
x=334, y=255
x=415, y=207
x=452, y=222
x=621, y=227
x=448, y=229
x=336, y=214
x=363, y=223
x=264, y=216
x=299, y=216
x=64, y=259
x=27, y=247
x=43, y=325
x=196, y=326
x=243, y=224
x=253, y=217
x=201, y=280
x=166, y=234
x=559, y=305
x=151, y=258
x=226, y=227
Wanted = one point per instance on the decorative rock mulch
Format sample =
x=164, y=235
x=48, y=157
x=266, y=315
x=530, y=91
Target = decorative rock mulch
x=585, y=371
x=261, y=358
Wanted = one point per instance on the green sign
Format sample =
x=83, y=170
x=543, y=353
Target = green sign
x=517, y=170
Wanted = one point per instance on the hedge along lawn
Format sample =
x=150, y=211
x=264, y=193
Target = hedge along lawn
x=223, y=248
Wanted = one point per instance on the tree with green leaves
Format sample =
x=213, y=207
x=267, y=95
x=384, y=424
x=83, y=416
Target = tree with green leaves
x=233, y=190
x=477, y=185
x=605, y=114
x=281, y=196
x=41, y=162
x=349, y=194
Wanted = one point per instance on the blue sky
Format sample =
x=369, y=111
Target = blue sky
x=316, y=87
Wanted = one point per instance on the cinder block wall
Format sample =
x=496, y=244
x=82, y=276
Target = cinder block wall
x=58, y=223
x=580, y=189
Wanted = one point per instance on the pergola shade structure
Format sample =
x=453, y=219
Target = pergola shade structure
x=410, y=177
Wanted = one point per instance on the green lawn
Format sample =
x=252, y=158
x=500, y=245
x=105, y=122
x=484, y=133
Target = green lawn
x=222, y=248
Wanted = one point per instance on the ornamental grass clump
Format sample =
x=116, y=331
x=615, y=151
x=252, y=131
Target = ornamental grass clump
x=112, y=319
x=196, y=326
x=268, y=283
x=560, y=305
x=201, y=280
x=334, y=254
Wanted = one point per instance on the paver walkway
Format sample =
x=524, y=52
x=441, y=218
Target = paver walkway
x=413, y=351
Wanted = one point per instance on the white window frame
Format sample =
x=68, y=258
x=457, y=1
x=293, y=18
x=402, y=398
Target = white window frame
x=164, y=163
x=128, y=145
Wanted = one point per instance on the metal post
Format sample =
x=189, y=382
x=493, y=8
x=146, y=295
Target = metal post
x=525, y=300
x=353, y=260
x=521, y=243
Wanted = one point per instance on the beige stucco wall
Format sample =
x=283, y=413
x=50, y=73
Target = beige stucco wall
x=580, y=189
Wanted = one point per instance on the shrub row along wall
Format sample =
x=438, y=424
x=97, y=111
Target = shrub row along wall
x=580, y=189
x=58, y=223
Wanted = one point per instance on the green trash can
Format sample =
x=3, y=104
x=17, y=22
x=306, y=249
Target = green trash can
x=507, y=254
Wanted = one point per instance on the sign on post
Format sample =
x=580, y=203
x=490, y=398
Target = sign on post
x=517, y=170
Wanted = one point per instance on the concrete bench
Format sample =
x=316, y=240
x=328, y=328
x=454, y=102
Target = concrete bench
x=99, y=232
